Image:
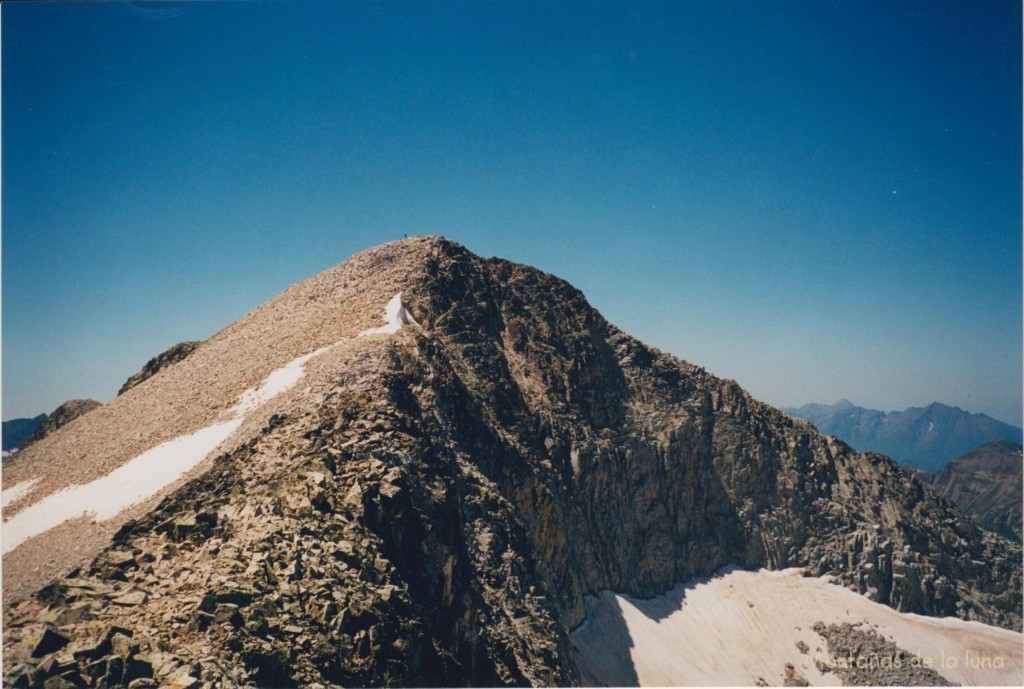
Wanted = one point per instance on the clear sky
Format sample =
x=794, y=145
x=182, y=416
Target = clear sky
x=818, y=199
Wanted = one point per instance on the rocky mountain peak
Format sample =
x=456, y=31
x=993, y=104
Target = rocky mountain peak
x=417, y=465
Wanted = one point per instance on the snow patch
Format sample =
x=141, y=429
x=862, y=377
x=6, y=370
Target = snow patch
x=734, y=628
x=277, y=382
x=396, y=316
x=131, y=483
x=17, y=492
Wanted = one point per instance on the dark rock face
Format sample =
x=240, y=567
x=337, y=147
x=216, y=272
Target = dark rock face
x=158, y=363
x=62, y=416
x=922, y=437
x=633, y=470
x=437, y=517
x=986, y=484
x=17, y=431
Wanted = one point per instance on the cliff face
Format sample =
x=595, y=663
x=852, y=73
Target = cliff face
x=633, y=470
x=431, y=506
x=986, y=484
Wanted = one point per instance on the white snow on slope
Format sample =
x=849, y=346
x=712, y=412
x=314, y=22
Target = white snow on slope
x=130, y=483
x=277, y=382
x=18, y=491
x=396, y=316
x=147, y=474
x=732, y=629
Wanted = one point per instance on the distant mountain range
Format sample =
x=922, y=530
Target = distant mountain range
x=923, y=437
x=986, y=484
x=17, y=431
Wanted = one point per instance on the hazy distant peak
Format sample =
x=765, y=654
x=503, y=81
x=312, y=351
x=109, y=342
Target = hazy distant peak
x=925, y=437
x=17, y=431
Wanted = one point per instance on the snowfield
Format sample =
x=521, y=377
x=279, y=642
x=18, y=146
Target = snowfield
x=17, y=492
x=279, y=381
x=130, y=483
x=735, y=628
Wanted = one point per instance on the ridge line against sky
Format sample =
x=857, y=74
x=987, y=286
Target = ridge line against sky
x=819, y=200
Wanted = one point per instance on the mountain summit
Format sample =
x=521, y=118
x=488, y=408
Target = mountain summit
x=412, y=469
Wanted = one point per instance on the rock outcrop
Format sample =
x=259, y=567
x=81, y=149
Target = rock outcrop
x=62, y=416
x=430, y=507
x=881, y=662
x=161, y=361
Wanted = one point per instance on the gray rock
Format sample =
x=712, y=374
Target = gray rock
x=864, y=658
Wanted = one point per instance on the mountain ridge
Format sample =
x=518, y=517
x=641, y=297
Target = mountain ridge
x=924, y=437
x=17, y=431
x=431, y=505
x=168, y=357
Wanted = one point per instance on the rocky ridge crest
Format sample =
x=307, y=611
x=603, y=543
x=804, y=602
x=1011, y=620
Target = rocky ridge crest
x=161, y=361
x=431, y=507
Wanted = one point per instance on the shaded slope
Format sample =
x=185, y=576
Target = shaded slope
x=634, y=470
x=435, y=503
x=987, y=484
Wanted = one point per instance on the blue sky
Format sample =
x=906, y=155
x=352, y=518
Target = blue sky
x=818, y=199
